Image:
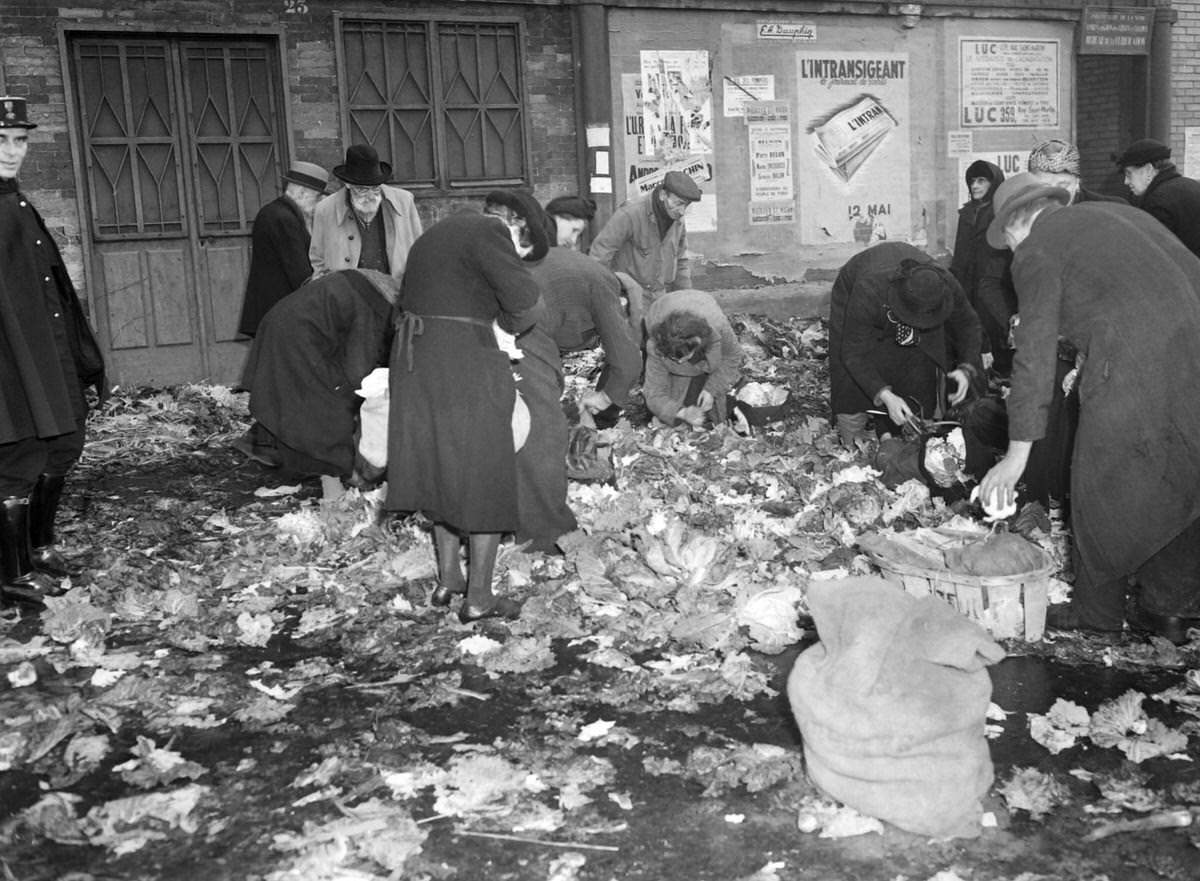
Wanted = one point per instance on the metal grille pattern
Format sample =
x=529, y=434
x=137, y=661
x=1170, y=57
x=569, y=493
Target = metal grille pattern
x=127, y=104
x=468, y=130
x=230, y=111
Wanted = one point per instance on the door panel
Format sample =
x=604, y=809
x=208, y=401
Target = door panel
x=226, y=267
x=230, y=94
x=181, y=140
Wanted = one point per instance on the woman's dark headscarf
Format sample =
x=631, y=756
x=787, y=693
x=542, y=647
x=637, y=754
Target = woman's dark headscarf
x=527, y=208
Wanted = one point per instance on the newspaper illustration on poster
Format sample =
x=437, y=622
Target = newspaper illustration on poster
x=854, y=160
x=1008, y=83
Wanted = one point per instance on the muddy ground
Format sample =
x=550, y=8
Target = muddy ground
x=320, y=748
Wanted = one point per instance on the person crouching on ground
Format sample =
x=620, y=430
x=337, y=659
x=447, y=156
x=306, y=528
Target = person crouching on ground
x=312, y=350
x=898, y=322
x=693, y=359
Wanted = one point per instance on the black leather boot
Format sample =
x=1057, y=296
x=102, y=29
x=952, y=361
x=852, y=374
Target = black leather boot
x=43, y=509
x=21, y=581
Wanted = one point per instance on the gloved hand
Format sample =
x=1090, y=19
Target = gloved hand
x=693, y=416
x=595, y=401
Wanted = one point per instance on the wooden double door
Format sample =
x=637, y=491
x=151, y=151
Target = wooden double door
x=182, y=140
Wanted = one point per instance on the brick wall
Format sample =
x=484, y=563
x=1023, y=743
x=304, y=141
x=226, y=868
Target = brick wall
x=1185, y=78
x=32, y=67
x=1098, y=124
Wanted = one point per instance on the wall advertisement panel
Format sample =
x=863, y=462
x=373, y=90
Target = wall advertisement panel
x=852, y=162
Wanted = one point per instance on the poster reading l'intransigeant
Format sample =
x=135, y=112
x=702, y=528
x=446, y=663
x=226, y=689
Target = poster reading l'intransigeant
x=852, y=159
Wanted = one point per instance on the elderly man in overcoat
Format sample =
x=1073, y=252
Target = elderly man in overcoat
x=279, y=243
x=1126, y=293
x=369, y=224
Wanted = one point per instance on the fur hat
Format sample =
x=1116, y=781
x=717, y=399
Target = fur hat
x=1054, y=157
x=1142, y=152
x=1018, y=190
x=921, y=294
x=362, y=167
x=527, y=208
x=679, y=184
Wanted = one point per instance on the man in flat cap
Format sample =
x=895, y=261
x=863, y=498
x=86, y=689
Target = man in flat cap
x=369, y=224
x=48, y=357
x=1161, y=190
x=279, y=243
x=647, y=239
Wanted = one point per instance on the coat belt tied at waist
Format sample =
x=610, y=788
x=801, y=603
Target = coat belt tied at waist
x=410, y=325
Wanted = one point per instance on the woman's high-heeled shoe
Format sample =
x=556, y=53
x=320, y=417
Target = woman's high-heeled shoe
x=501, y=608
x=442, y=595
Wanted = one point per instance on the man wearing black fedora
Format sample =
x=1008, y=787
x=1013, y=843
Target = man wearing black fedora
x=896, y=318
x=50, y=357
x=367, y=224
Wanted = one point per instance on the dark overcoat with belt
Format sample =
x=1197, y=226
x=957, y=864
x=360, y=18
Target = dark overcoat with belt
x=311, y=352
x=450, y=437
x=278, y=260
x=48, y=353
x=1125, y=292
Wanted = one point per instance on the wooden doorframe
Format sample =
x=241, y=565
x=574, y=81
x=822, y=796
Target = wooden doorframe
x=69, y=30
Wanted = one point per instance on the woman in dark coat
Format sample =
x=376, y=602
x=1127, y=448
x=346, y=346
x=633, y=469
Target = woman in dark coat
x=896, y=319
x=450, y=438
x=311, y=352
x=980, y=268
x=1126, y=293
x=542, y=460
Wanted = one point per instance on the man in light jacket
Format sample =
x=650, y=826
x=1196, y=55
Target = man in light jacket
x=367, y=225
x=647, y=239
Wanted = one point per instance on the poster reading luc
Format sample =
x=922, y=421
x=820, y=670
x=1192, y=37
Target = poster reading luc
x=852, y=161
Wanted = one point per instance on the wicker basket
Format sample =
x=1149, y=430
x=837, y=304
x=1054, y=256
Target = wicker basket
x=1008, y=606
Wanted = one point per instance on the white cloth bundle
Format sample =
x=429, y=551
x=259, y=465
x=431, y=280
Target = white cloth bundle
x=373, y=417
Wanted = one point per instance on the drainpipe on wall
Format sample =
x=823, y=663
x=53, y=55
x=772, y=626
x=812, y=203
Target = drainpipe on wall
x=594, y=89
x=1161, y=94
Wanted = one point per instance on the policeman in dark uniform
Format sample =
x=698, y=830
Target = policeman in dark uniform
x=48, y=356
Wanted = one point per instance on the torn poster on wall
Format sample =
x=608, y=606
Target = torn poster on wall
x=668, y=127
x=772, y=191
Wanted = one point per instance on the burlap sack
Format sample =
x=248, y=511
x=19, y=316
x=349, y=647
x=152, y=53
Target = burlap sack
x=891, y=704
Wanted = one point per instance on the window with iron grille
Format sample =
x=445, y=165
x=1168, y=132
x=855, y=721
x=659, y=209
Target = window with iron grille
x=440, y=100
